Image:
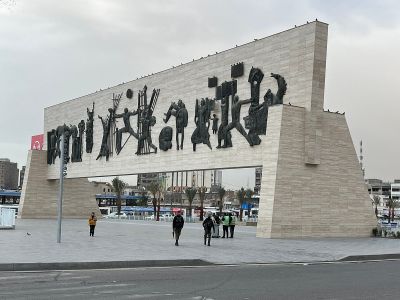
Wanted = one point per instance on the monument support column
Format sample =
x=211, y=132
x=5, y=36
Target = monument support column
x=39, y=195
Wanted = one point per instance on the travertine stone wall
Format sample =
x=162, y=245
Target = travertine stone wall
x=313, y=125
x=325, y=200
x=291, y=53
x=39, y=196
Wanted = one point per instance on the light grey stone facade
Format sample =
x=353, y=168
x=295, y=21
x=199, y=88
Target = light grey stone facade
x=304, y=148
x=39, y=196
x=291, y=53
x=328, y=199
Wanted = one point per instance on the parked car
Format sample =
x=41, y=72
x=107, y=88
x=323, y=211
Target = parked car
x=114, y=215
x=166, y=217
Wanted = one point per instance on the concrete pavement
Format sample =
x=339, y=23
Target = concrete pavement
x=149, y=242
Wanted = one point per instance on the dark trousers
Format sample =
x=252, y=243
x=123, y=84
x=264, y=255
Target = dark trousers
x=207, y=235
x=177, y=233
x=232, y=230
x=91, y=232
x=225, y=230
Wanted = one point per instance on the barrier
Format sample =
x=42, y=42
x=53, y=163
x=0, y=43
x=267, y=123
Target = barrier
x=7, y=218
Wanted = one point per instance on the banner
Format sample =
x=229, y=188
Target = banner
x=37, y=142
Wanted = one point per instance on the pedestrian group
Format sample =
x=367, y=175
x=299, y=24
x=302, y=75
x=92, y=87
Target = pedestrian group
x=210, y=225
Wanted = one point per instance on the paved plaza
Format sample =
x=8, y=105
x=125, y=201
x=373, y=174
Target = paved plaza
x=34, y=241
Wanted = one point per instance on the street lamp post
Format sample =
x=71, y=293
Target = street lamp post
x=63, y=172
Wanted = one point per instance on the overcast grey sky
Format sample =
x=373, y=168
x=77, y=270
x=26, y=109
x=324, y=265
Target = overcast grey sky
x=52, y=51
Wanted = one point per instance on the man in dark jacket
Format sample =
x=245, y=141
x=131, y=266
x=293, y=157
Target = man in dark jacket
x=177, y=225
x=208, y=224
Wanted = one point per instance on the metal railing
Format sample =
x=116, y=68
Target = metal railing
x=151, y=218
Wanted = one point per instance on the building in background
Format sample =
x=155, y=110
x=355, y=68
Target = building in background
x=100, y=187
x=177, y=181
x=216, y=180
x=395, y=189
x=378, y=187
x=21, y=176
x=145, y=180
x=384, y=191
x=8, y=174
x=9, y=197
x=257, y=186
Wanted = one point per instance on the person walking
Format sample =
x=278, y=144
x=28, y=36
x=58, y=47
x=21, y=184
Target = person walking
x=225, y=225
x=232, y=224
x=208, y=224
x=92, y=223
x=216, y=220
x=177, y=225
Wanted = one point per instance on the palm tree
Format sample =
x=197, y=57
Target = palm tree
x=221, y=194
x=240, y=194
x=118, y=187
x=202, y=194
x=392, y=204
x=154, y=189
x=190, y=193
x=376, y=200
x=248, y=194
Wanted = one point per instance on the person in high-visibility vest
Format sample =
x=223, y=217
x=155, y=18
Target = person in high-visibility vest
x=92, y=223
x=225, y=225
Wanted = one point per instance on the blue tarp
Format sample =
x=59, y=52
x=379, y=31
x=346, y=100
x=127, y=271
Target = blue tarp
x=247, y=205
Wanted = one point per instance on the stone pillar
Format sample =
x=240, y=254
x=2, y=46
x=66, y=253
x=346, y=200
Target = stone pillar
x=39, y=195
x=314, y=107
x=329, y=199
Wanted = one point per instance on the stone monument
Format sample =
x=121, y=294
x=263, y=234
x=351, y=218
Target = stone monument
x=312, y=184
